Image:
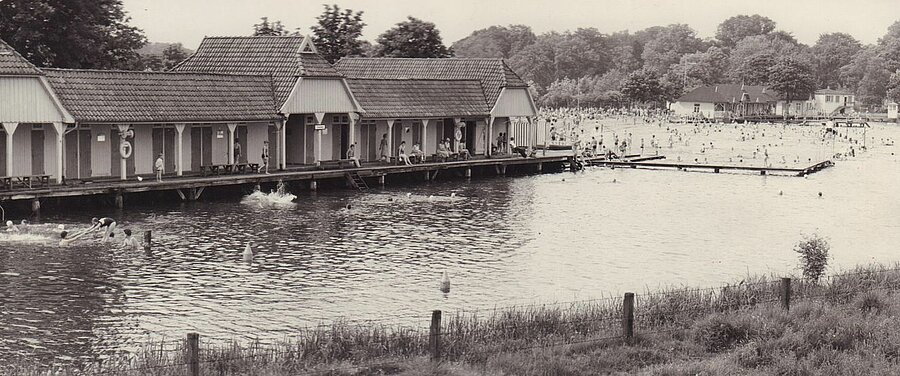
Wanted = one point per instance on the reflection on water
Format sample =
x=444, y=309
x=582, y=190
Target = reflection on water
x=503, y=241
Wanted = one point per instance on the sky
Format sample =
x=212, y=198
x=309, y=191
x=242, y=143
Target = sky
x=188, y=21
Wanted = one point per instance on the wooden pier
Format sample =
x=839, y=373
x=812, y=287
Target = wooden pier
x=650, y=163
x=189, y=188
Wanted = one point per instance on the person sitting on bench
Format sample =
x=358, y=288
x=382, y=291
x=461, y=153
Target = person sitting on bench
x=401, y=153
x=463, y=152
x=351, y=155
x=443, y=152
x=517, y=149
x=417, y=154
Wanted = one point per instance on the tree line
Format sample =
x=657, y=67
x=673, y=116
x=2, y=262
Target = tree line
x=583, y=67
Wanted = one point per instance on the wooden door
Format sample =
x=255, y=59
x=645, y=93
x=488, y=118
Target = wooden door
x=196, y=148
x=169, y=149
x=397, y=136
x=84, y=154
x=37, y=151
x=206, y=139
x=241, y=134
x=470, y=136
x=273, y=147
x=158, y=136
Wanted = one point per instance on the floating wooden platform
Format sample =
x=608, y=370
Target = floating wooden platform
x=648, y=163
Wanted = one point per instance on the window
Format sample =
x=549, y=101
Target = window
x=696, y=107
x=338, y=119
x=827, y=99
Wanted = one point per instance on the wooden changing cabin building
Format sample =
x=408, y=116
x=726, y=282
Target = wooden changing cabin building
x=427, y=100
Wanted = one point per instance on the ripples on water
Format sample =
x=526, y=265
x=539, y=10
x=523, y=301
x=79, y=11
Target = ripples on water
x=503, y=241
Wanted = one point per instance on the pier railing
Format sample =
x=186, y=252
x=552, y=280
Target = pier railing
x=476, y=335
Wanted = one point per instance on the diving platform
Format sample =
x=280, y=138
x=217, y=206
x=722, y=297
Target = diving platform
x=654, y=163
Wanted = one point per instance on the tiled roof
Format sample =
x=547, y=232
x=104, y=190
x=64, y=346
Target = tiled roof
x=728, y=93
x=11, y=63
x=122, y=96
x=393, y=98
x=493, y=74
x=833, y=92
x=278, y=57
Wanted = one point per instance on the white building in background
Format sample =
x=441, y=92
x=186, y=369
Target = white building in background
x=892, y=111
x=824, y=102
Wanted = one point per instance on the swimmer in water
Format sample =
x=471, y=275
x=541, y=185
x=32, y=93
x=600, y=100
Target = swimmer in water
x=108, y=223
x=10, y=227
x=130, y=242
x=65, y=240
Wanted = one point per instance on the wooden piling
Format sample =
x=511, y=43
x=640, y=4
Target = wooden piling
x=36, y=207
x=313, y=185
x=381, y=180
x=628, y=315
x=786, y=294
x=193, y=353
x=148, y=239
x=468, y=173
x=434, y=336
x=120, y=200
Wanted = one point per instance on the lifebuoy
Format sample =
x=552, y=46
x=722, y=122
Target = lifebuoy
x=125, y=149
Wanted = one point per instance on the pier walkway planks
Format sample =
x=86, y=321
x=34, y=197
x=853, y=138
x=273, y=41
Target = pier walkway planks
x=715, y=168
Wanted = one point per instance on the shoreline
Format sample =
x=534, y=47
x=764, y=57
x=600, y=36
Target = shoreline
x=475, y=339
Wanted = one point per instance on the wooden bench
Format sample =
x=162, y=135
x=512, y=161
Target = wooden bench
x=10, y=182
x=254, y=167
x=211, y=169
x=348, y=162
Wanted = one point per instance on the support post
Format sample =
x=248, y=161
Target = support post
x=434, y=336
x=313, y=185
x=120, y=200
x=193, y=353
x=390, y=139
x=425, y=123
x=456, y=129
x=148, y=239
x=60, y=152
x=281, y=127
x=381, y=180
x=231, y=128
x=490, y=136
x=539, y=167
x=427, y=175
x=628, y=315
x=468, y=173
x=179, y=166
x=786, y=294
x=10, y=129
x=351, y=140
x=320, y=119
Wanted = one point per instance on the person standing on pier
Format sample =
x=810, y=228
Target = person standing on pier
x=237, y=153
x=383, y=149
x=160, y=165
x=265, y=157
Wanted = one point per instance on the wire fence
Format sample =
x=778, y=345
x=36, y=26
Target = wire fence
x=480, y=333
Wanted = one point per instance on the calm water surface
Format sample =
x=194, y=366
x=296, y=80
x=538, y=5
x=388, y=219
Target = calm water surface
x=504, y=241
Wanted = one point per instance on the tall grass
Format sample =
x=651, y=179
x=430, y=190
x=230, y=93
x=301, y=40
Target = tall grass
x=705, y=322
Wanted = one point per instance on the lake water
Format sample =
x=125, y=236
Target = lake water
x=503, y=241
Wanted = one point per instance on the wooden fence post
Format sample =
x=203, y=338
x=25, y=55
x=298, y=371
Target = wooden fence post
x=148, y=238
x=193, y=353
x=628, y=315
x=786, y=294
x=434, y=338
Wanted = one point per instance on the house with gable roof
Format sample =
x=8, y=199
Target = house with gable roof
x=726, y=101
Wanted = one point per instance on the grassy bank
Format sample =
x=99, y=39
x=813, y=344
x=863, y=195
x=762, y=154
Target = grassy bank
x=843, y=325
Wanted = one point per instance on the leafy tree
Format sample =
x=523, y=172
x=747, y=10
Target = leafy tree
x=735, y=29
x=337, y=33
x=625, y=51
x=412, y=38
x=266, y=28
x=537, y=62
x=830, y=53
x=813, y=252
x=893, y=87
x=668, y=45
x=71, y=33
x=554, y=56
x=495, y=41
x=867, y=75
x=644, y=86
x=174, y=54
x=792, y=79
x=758, y=52
x=889, y=47
x=701, y=68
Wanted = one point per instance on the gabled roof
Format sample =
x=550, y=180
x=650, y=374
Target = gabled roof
x=12, y=63
x=285, y=58
x=124, y=96
x=730, y=93
x=493, y=74
x=394, y=98
x=833, y=92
